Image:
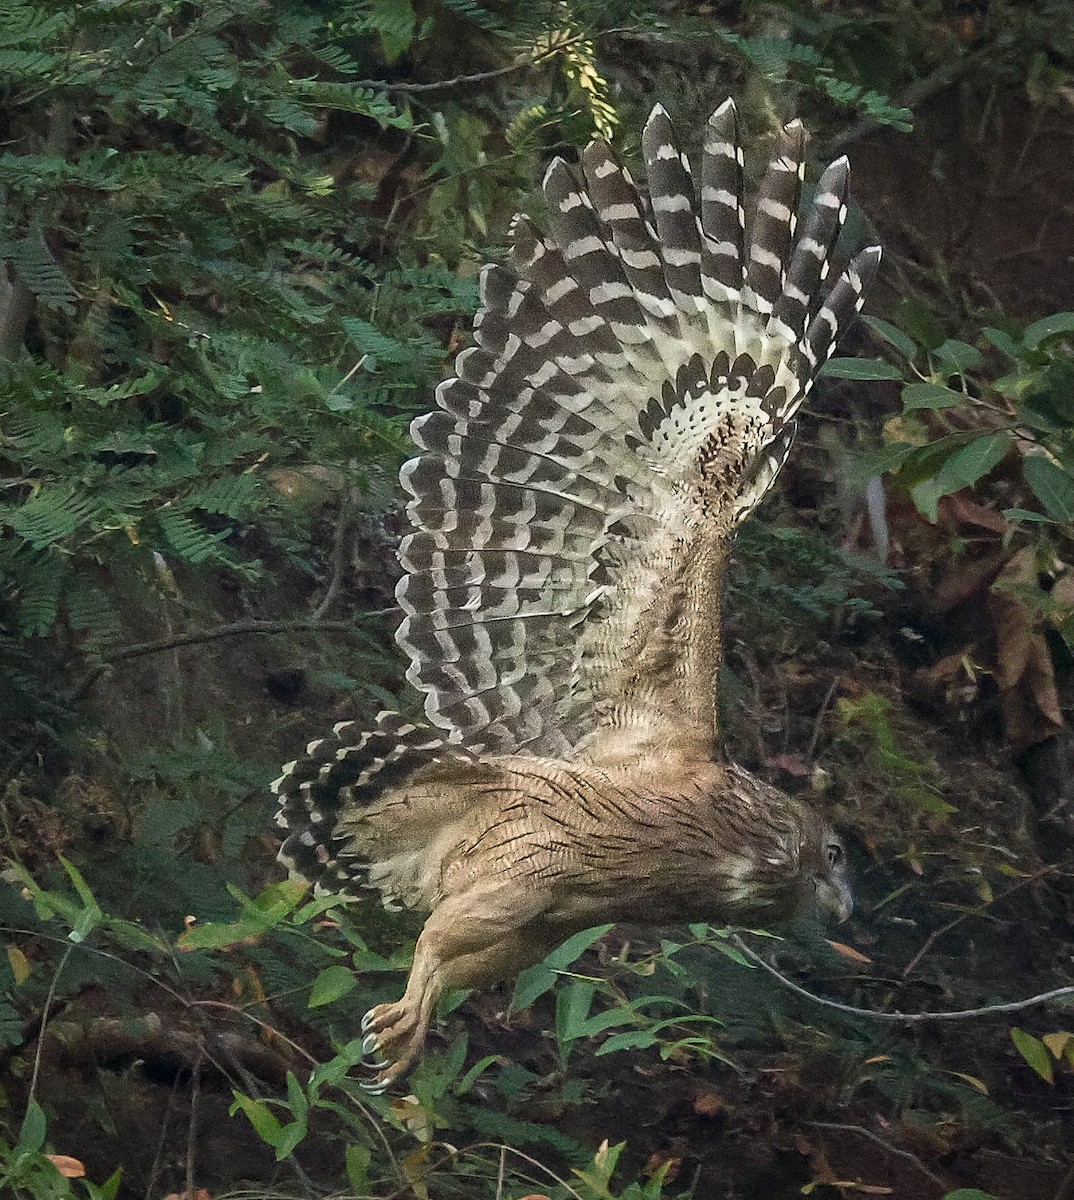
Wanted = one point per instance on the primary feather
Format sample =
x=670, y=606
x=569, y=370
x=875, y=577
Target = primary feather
x=629, y=401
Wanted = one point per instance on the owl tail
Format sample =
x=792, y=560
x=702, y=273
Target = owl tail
x=360, y=806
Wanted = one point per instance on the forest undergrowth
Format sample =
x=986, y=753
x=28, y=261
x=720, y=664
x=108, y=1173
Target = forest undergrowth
x=241, y=245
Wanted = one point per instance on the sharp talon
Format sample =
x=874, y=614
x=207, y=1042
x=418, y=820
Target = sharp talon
x=369, y=1043
x=375, y=1087
x=379, y=1065
x=367, y=1020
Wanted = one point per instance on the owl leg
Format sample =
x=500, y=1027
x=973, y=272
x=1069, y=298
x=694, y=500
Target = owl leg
x=472, y=939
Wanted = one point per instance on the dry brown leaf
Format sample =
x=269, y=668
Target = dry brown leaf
x=1025, y=676
x=848, y=952
x=68, y=1167
x=707, y=1104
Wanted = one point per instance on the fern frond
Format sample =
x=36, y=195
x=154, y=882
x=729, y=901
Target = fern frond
x=41, y=273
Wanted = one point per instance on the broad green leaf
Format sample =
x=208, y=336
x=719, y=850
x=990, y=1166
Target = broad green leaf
x=958, y=356
x=531, y=985
x=930, y=395
x=1002, y=341
x=1033, y=1050
x=572, y=1009
x=860, y=368
x=633, y=1039
x=893, y=335
x=1052, y=486
x=356, y=1160
x=574, y=947
x=1047, y=327
x=266, y=1125
x=886, y=459
x=290, y=1136
x=332, y=983
x=34, y=1128
x=961, y=470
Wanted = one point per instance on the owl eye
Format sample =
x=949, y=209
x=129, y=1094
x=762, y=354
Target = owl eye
x=835, y=854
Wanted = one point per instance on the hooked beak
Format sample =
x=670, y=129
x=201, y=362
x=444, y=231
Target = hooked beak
x=834, y=895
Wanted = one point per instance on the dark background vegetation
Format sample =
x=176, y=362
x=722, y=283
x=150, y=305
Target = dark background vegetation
x=241, y=242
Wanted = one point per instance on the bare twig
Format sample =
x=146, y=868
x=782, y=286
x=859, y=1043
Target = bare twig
x=884, y=1145
x=339, y=553
x=916, y=93
x=49, y=998
x=235, y=629
x=520, y=64
x=192, y=1128
x=936, y=934
x=900, y=1018
x=818, y=721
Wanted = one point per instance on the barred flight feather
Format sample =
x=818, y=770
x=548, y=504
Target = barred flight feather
x=630, y=401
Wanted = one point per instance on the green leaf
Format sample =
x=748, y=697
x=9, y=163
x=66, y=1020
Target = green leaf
x=1002, y=341
x=930, y=395
x=356, y=1160
x=332, y=983
x=1023, y=514
x=266, y=1125
x=860, y=368
x=958, y=356
x=633, y=1039
x=34, y=1128
x=1047, y=327
x=962, y=469
x=969, y=1194
x=893, y=335
x=1033, y=1050
x=572, y=1009
x=574, y=947
x=885, y=460
x=1052, y=486
x=531, y=985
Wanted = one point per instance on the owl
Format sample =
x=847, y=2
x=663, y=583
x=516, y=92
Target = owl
x=629, y=399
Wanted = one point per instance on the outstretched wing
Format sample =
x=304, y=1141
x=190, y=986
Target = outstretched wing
x=629, y=401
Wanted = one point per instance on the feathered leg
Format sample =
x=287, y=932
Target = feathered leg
x=480, y=936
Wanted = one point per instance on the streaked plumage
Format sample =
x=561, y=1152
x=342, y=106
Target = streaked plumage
x=629, y=401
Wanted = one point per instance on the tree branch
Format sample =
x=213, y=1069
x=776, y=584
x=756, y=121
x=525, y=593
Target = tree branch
x=899, y=1018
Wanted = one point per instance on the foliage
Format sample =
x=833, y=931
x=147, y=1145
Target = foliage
x=241, y=240
x=961, y=417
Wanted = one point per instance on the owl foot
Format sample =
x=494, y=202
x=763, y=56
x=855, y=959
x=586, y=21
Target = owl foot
x=392, y=1042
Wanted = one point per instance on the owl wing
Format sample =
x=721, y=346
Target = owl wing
x=630, y=399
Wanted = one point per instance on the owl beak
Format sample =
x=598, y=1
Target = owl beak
x=834, y=895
